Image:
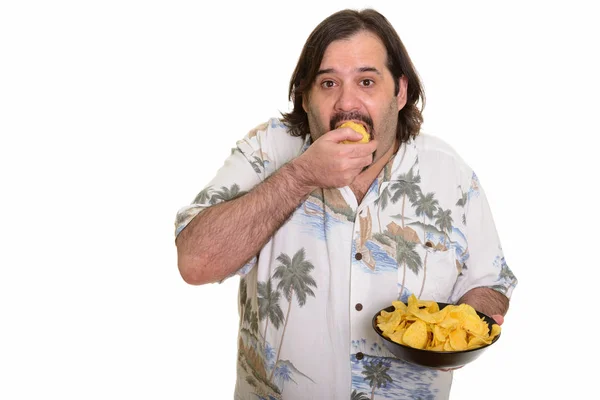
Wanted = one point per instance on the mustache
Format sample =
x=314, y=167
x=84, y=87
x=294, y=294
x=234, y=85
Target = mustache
x=356, y=116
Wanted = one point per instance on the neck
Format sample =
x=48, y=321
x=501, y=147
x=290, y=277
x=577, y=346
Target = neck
x=363, y=181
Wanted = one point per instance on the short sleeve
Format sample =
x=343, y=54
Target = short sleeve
x=484, y=264
x=234, y=179
x=259, y=154
x=241, y=171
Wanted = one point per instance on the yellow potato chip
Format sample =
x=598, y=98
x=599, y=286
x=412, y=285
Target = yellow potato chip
x=416, y=335
x=477, y=341
x=390, y=326
x=397, y=336
x=398, y=305
x=384, y=316
x=440, y=334
x=358, y=128
x=422, y=325
x=458, y=339
x=473, y=325
x=447, y=346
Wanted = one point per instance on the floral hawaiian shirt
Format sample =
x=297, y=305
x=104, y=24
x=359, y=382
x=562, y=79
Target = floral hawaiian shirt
x=307, y=300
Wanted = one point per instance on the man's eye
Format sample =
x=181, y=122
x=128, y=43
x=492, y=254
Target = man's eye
x=367, y=82
x=327, y=84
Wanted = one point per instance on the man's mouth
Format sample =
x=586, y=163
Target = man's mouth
x=359, y=122
x=357, y=118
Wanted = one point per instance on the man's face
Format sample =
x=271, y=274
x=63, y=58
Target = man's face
x=354, y=83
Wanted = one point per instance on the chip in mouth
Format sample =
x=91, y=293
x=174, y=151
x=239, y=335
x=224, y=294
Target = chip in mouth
x=358, y=128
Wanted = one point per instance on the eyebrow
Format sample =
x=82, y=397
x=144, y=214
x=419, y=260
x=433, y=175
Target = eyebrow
x=361, y=69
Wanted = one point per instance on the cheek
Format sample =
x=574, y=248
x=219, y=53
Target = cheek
x=387, y=119
x=319, y=115
x=317, y=124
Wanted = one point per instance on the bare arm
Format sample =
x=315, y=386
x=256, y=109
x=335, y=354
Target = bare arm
x=486, y=300
x=223, y=237
x=219, y=240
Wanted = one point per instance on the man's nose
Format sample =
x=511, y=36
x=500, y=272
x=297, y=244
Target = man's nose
x=348, y=99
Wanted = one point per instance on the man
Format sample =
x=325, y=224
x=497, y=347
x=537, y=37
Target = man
x=324, y=233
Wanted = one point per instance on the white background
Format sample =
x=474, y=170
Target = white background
x=114, y=114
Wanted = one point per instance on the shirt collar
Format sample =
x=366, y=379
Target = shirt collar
x=399, y=167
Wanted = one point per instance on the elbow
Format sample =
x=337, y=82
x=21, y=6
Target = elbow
x=193, y=272
x=193, y=268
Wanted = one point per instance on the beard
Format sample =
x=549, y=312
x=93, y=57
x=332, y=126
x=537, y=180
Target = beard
x=384, y=132
x=337, y=118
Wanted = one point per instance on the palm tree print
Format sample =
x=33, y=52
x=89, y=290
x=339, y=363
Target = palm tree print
x=424, y=274
x=226, y=194
x=426, y=206
x=204, y=196
x=247, y=310
x=358, y=395
x=254, y=322
x=283, y=374
x=294, y=279
x=406, y=187
x=382, y=201
x=268, y=305
x=376, y=373
x=243, y=298
x=462, y=202
x=506, y=274
x=407, y=256
x=444, y=221
x=257, y=164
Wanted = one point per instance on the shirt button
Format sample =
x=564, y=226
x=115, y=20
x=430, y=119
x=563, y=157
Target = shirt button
x=358, y=306
x=359, y=356
x=358, y=256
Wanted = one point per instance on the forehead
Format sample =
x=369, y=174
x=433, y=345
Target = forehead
x=360, y=50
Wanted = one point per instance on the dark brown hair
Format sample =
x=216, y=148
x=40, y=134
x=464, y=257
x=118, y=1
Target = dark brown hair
x=342, y=25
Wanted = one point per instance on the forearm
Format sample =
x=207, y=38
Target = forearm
x=486, y=300
x=222, y=238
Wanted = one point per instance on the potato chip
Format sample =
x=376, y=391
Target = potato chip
x=495, y=331
x=397, y=336
x=416, y=335
x=473, y=325
x=422, y=325
x=357, y=128
x=398, y=305
x=477, y=341
x=458, y=339
x=440, y=334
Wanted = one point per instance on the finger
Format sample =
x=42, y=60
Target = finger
x=360, y=161
x=360, y=150
x=498, y=318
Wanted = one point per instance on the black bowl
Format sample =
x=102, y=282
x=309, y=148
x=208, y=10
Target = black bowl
x=434, y=359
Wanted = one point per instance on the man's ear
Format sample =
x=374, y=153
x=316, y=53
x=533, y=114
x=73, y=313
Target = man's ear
x=402, y=88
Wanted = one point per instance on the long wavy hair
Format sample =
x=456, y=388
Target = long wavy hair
x=342, y=25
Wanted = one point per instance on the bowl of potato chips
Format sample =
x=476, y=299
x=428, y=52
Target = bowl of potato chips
x=433, y=334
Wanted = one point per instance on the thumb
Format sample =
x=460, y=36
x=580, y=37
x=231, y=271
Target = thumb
x=498, y=318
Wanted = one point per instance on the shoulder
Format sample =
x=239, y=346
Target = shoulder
x=271, y=141
x=272, y=132
x=435, y=153
x=430, y=144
